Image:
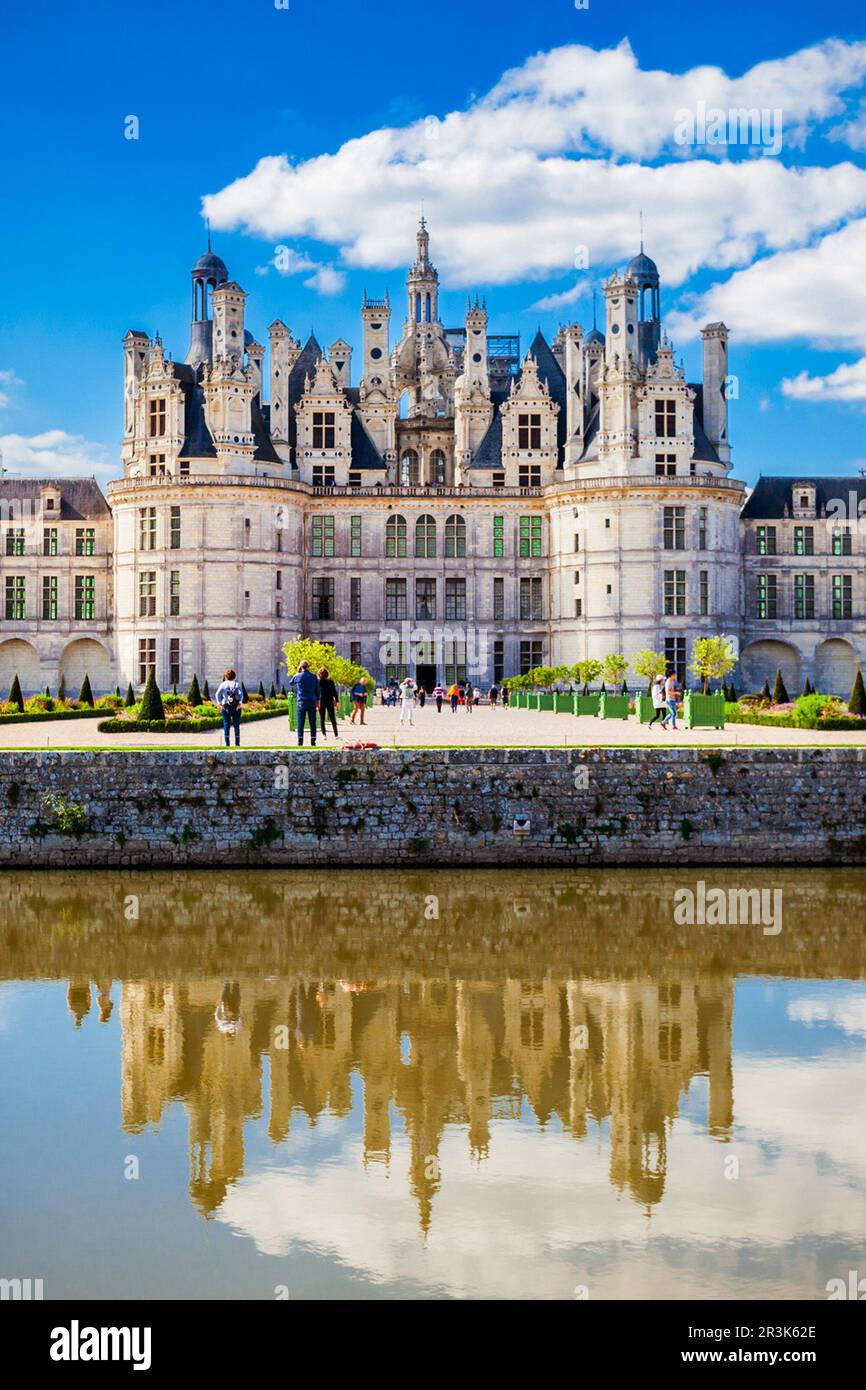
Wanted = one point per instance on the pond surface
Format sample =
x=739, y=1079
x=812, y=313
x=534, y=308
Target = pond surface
x=448, y=1084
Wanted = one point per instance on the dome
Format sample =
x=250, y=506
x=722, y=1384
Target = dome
x=210, y=267
x=594, y=336
x=640, y=267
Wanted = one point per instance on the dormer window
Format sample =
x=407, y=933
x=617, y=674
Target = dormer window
x=324, y=431
x=666, y=419
x=528, y=432
x=156, y=415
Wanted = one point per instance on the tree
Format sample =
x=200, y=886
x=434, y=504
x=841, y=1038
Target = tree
x=244, y=692
x=588, y=671
x=807, y=688
x=117, y=694
x=713, y=658
x=300, y=649
x=261, y=690
x=61, y=689
x=130, y=696
x=205, y=694
x=272, y=694
x=780, y=694
x=15, y=696
x=648, y=664
x=85, y=694
x=48, y=692
x=194, y=695
x=857, y=698
x=765, y=693
x=151, y=700
x=615, y=666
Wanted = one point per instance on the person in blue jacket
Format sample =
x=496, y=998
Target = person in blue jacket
x=306, y=687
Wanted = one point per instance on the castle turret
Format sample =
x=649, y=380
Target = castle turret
x=208, y=273
x=715, y=338
x=422, y=283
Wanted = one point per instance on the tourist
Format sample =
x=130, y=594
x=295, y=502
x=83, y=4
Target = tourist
x=407, y=699
x=493, y=695
x=422, y=696
x=476, y=695
x=230, y=697
x=359, y=701
x=454, y=696
x=327, y=701
x=306, y=687
x=438, y=696
x=671, y=692
x=505, y=697
x=659, y=700
x=468, y=698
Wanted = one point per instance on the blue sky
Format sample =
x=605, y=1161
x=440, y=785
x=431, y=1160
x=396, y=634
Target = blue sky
x=515, y=174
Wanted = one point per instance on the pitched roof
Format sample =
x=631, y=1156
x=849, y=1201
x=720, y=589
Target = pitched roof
x=550, y=371
x=197, y=441
x=489, y=451
x=304, y=367
x=81, y=499
x=771, y=494
x=704, y=451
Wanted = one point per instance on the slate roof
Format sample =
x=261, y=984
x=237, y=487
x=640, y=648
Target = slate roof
x=489, y=451
x=770, y=495
x=197, y=442
x=81, y=499
x=550, y=371
x=704, y=450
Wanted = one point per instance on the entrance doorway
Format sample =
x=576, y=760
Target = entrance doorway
x=426, y=676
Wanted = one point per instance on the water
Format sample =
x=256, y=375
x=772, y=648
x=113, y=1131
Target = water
x=268, y=1084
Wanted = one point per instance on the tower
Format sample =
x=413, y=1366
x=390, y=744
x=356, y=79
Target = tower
x=340, y=358
x=285, y=351
x=228, y=301
x=475, y=358
x=574, y=410
x=644, y=272
x=376, y=317
x=715, y=340
x=208, y=273
x=422, y=283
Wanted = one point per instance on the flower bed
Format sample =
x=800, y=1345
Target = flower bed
x=809, y=712
x=190, y=723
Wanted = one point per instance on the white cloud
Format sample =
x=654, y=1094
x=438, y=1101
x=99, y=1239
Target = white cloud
x=559, y=301
x=54, y=453
x=8, y=382
x=846, y=383
x=326, y=280
x=286, y=261
x=547, y=161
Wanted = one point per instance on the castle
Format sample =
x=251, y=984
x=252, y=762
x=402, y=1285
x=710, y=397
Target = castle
x=462, y=510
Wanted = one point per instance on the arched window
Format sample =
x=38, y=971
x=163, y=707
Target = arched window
x=455, y=536
x=428, y=308
x=395, y=538
x=409, y=468
x=417, y=308
x=425, y=537
x=437, y=466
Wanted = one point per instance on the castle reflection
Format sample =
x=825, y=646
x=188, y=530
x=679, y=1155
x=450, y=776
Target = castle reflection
x=564, y=1000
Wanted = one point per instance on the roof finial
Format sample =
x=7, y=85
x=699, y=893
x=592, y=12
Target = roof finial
x=593, y=308
x=641, y=230
x=207, y=224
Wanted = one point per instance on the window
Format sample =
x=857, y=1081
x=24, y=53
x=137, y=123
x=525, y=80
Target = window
x=425, y=599
x=528, y=432
x=498, y=537
x=578, y=607
x=49, y=541
x=455, y=600
x=702, y=528
x=157, y=465
x=531, y=655
x=174, y=594
x=49, y=597
x=85, y=540
x=324, y=432
x=354, y=479
x=530, y=537
x=174, y=529
x=147, y=594
x=355, y=536
x=15, y=540
x=437, y=466
x=767, y=601
x=804, y=595
x=576, y=543
x=355, y=599
x=156, y=418
x=15, y=598
x=499, y=480
x=804, y=540
x=174, y=661
x=666, y=465
x=425, y=537
x=529, y=475
x=323, y=535
x=666, y=419
x=766, y=540
x=498, y=660
x=409, y=468
x=841, y=542
x=323, y=600
x=530, y=600
x=455, y=536
x=397, y=664
x=499, y=600
x=147, y=528
x=675, y=656
x=279, y=579
x=675, y=593
x=323, y=475
x=674, y=528
x=146, y=658
x=704, y=592
x=183, y=468
x=355, y=653
x=85, y=597
x=842, y=606
x=395, y=538
x=395, y=599
x=455, y=661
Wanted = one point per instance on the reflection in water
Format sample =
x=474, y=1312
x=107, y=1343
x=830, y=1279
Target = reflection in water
x=554, y=1007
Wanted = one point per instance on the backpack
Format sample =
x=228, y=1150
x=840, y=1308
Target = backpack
x=230, y=699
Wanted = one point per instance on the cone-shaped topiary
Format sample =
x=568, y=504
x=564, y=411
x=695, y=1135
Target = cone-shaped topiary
x=15, y=696
x=85, y=694
x=205, y=694
x=272, y=694
x=624, y=690
x=733, y=690
x=857, y=698
x=765, y=693
x=151, y=700
x=261, y=689
x=807, y=688
x=48, y=692
x=603, y=690
x=194, y=695
x=130, y=696
x=117, y=692
x=244, y=692
x=283, y=694
x=780, y=694
x=61, y=689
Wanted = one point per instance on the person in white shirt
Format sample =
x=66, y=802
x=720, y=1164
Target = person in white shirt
x=659, y=699
x=408, y=690
x=671, y=692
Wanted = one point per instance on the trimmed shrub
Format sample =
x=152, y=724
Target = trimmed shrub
x=194, y=696
x=61, y=689
x=15, y=696
x=807, y=688
x=244, y=691
x=272, y=694
x=117, y=692
x=765, y=693
x=261, y=691
x=85, y=694
x=857, y=698
x=780, y=694
x=205, y=694
x=151, y=701
x=130, y=696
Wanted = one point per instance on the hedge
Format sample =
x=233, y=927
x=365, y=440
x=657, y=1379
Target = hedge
x=183, y=726
x=735, y=714
x=42, y=715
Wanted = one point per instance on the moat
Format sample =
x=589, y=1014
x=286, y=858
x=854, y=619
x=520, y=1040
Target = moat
x=482, y=1083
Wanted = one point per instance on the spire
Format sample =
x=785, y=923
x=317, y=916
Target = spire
x=640, y=215
x=593, y=309
x=207, y=224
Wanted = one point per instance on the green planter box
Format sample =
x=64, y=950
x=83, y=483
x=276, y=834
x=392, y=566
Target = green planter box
x=563, y=703
x=587, y=704
x=644, y=708
x=293, y=712
x=544, y=701
x=704, y=711
x=613, y=707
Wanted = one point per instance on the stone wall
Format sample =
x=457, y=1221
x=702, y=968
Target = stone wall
x=433, y=807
